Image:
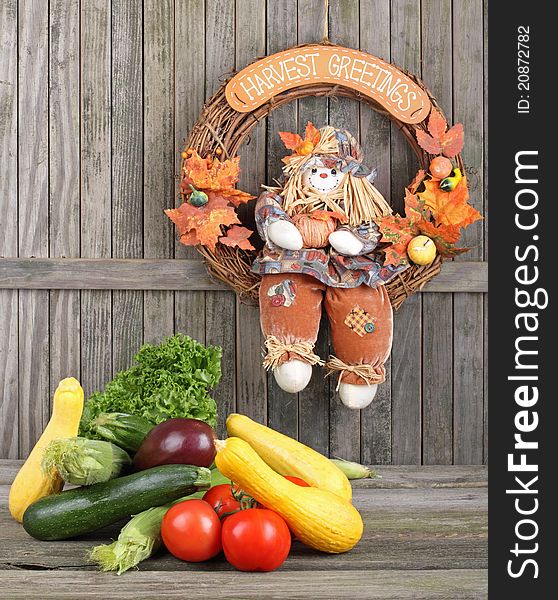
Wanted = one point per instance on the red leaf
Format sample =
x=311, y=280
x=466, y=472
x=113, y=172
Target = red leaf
x=436, y=124
x=291, y=140
x=438, y=140
x=452, y=141
x=238, y=236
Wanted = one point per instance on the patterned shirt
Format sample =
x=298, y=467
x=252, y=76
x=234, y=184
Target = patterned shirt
x=325, y=264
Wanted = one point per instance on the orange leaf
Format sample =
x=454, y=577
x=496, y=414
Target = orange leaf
x=238, y=236
x=428, y=143
x=236, y=197
x=202, y=225
x=419, y=177
x=325, y=215
x=396, y=255
x=414, y=206
x=438, y=140
x=311, y=134
x=208, y=174
x=452, y=141
x=291, y=140
x=437, y=125
x=449, y=208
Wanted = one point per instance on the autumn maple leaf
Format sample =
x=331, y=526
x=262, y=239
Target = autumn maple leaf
x=398, y=231
x=238, y=236
x=438, y=140
x=443, y=236
x=202, y=225
x=211, y=174
x=293, y=141
x=449, y=208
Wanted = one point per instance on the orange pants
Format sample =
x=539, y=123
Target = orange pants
x=361, y=322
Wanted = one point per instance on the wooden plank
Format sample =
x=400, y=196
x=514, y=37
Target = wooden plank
x=406, y=355
x=281, y=28
x=344, y=423
x=468, y=308
x=64, y=192
x=9, y=415
x=314, y=401
x=220, y=307
x=161, y=274
x=375, y=428
x=158, y=158
x=437, y=342
x=127, y=172
x=96, y=322
x=251, y=377
x=486, y=219
x=387, y=585
x=33, y=217
x=191, y=30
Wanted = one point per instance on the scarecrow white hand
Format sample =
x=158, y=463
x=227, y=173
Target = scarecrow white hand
x=346, y=243
x=285, y=235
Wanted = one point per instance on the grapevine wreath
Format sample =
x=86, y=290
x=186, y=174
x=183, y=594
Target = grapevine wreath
x=208, y=218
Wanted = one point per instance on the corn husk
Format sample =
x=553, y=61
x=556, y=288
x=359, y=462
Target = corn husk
x=81, y=461
x=354, y=470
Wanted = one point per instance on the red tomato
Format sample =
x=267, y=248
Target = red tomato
x=297, y=480
x=221, y=498
x=191, y=530
x=256, y=539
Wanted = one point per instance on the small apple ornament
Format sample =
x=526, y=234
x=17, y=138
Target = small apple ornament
x=421, y=250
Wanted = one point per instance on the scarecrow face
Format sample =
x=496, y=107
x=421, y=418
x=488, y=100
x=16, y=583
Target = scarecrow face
x=322, y=179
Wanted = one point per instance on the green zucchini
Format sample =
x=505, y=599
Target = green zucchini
x=126, y=431
x=85, y=509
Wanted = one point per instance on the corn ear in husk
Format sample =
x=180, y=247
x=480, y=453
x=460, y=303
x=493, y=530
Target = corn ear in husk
x=81, y=461
x=353, y=470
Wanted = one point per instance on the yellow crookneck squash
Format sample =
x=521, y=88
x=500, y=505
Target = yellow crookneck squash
x=31, y=483
x=319, y=518
x=290, y=457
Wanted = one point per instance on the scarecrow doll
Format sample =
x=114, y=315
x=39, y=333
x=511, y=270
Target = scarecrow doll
x=321, y=247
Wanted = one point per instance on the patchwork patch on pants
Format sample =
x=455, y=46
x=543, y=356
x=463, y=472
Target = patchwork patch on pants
x=360, y=321
x=283, y=293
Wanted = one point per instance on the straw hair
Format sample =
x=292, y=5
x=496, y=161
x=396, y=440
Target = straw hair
x=276, y=351
x=220, y=132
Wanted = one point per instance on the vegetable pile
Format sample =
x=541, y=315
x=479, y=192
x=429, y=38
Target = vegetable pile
x=246, y=496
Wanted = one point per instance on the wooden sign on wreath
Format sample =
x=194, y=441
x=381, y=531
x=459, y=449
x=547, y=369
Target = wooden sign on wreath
x=436, y=206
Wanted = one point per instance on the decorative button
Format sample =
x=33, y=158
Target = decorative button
x=369, y=327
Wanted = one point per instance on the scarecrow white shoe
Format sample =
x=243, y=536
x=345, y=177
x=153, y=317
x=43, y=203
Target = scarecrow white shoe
x=285, y=235
x=345, y=242
x=357, y=396
x=293, y=376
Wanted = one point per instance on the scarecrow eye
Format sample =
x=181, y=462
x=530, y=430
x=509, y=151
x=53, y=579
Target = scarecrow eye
x=314, y=171
x=334, y=172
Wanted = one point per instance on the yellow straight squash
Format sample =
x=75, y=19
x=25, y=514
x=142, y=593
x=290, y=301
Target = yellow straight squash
x=289, y=457
x=31, y=483
x=320, y=519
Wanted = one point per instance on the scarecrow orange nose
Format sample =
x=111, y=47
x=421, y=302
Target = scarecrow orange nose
x=323, y=175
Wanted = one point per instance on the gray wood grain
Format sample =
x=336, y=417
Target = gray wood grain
x=375, y=139
x=220, y=307
x=486, y=219
x=9, y=412
x=250, y=42
x=468, y=42
x=385, y=585
x=95, y=234
x=127, y=171
x=158, y=157
x=281, y=31
x=64, y=185
x=406, y=363
x=314, y=401
x=344, y=423
x=437, y=333
x=162, y=274
x=190, y=93
x=33, y=216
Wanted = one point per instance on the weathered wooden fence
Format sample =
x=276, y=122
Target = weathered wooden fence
x=96, y=98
